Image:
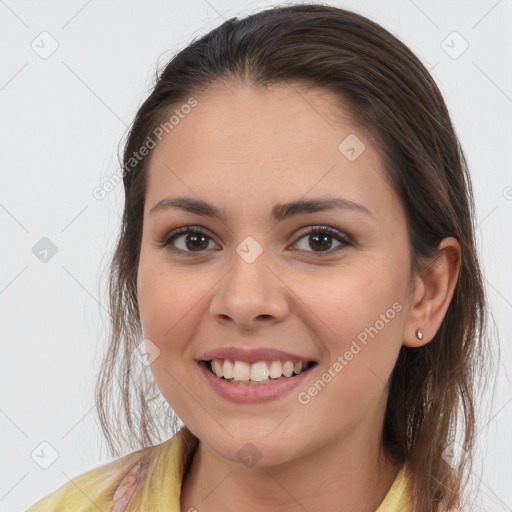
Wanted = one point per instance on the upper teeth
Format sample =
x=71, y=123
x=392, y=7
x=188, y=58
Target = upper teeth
x=260, y=371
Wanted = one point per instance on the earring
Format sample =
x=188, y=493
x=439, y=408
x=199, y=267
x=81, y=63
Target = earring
x=419, y=334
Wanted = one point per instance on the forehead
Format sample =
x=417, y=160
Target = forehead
x=284, y=120
x=275, y=143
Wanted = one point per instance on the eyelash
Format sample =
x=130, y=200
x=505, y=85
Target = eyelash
x=166, y=241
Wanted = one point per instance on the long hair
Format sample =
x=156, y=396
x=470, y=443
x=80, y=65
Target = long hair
x=388, y=91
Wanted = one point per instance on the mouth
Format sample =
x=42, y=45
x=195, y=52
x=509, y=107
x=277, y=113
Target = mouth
x=257, y=373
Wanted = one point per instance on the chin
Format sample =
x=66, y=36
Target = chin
x=254, y=450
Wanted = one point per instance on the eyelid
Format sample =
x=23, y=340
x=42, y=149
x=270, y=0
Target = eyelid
x=169, y=237
x=343, y=239
x=314, y=228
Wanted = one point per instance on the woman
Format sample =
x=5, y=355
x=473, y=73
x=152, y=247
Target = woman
x=297, y=253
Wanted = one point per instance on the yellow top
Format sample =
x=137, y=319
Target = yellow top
x=150, y=479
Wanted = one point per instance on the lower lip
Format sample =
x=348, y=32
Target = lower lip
x=254, y=393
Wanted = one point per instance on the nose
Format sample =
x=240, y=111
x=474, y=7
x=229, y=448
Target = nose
x=250, y=294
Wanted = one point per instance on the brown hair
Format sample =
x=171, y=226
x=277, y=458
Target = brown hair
x=391, y=94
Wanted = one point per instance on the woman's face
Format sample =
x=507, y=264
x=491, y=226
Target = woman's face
x=265, y=277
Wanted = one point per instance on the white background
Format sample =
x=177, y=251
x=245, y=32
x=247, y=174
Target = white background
x=62, y=119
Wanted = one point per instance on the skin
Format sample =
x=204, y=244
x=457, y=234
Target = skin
x=246, y=149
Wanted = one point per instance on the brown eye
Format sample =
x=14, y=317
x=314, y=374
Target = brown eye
x=187, y=240
x=195, y=241
x=320, y=240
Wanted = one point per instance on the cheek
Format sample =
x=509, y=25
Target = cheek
x=353, y=382
x=362, y=311
x=157, y=296
x=167, y=310
x=153, y=301
x=171, y=304
x=351, y=300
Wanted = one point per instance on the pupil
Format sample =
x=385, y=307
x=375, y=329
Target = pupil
x=194, y=238
x=321, y=238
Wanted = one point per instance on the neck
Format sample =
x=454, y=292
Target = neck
x=348, y=475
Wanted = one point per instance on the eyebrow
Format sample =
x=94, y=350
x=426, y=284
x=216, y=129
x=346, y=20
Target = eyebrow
x=279, y=211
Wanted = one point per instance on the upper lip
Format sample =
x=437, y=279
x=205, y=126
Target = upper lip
x=252, y=355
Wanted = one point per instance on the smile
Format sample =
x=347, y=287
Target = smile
x=260, y=372
x=242, y=388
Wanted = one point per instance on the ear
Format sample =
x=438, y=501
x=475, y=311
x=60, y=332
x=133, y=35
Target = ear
x=433, y=294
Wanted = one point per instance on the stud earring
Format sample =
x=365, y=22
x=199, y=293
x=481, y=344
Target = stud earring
x=419, y=334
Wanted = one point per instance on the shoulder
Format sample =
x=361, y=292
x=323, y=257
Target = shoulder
x=397, y=498
x=112, y=484
x=148, y=479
